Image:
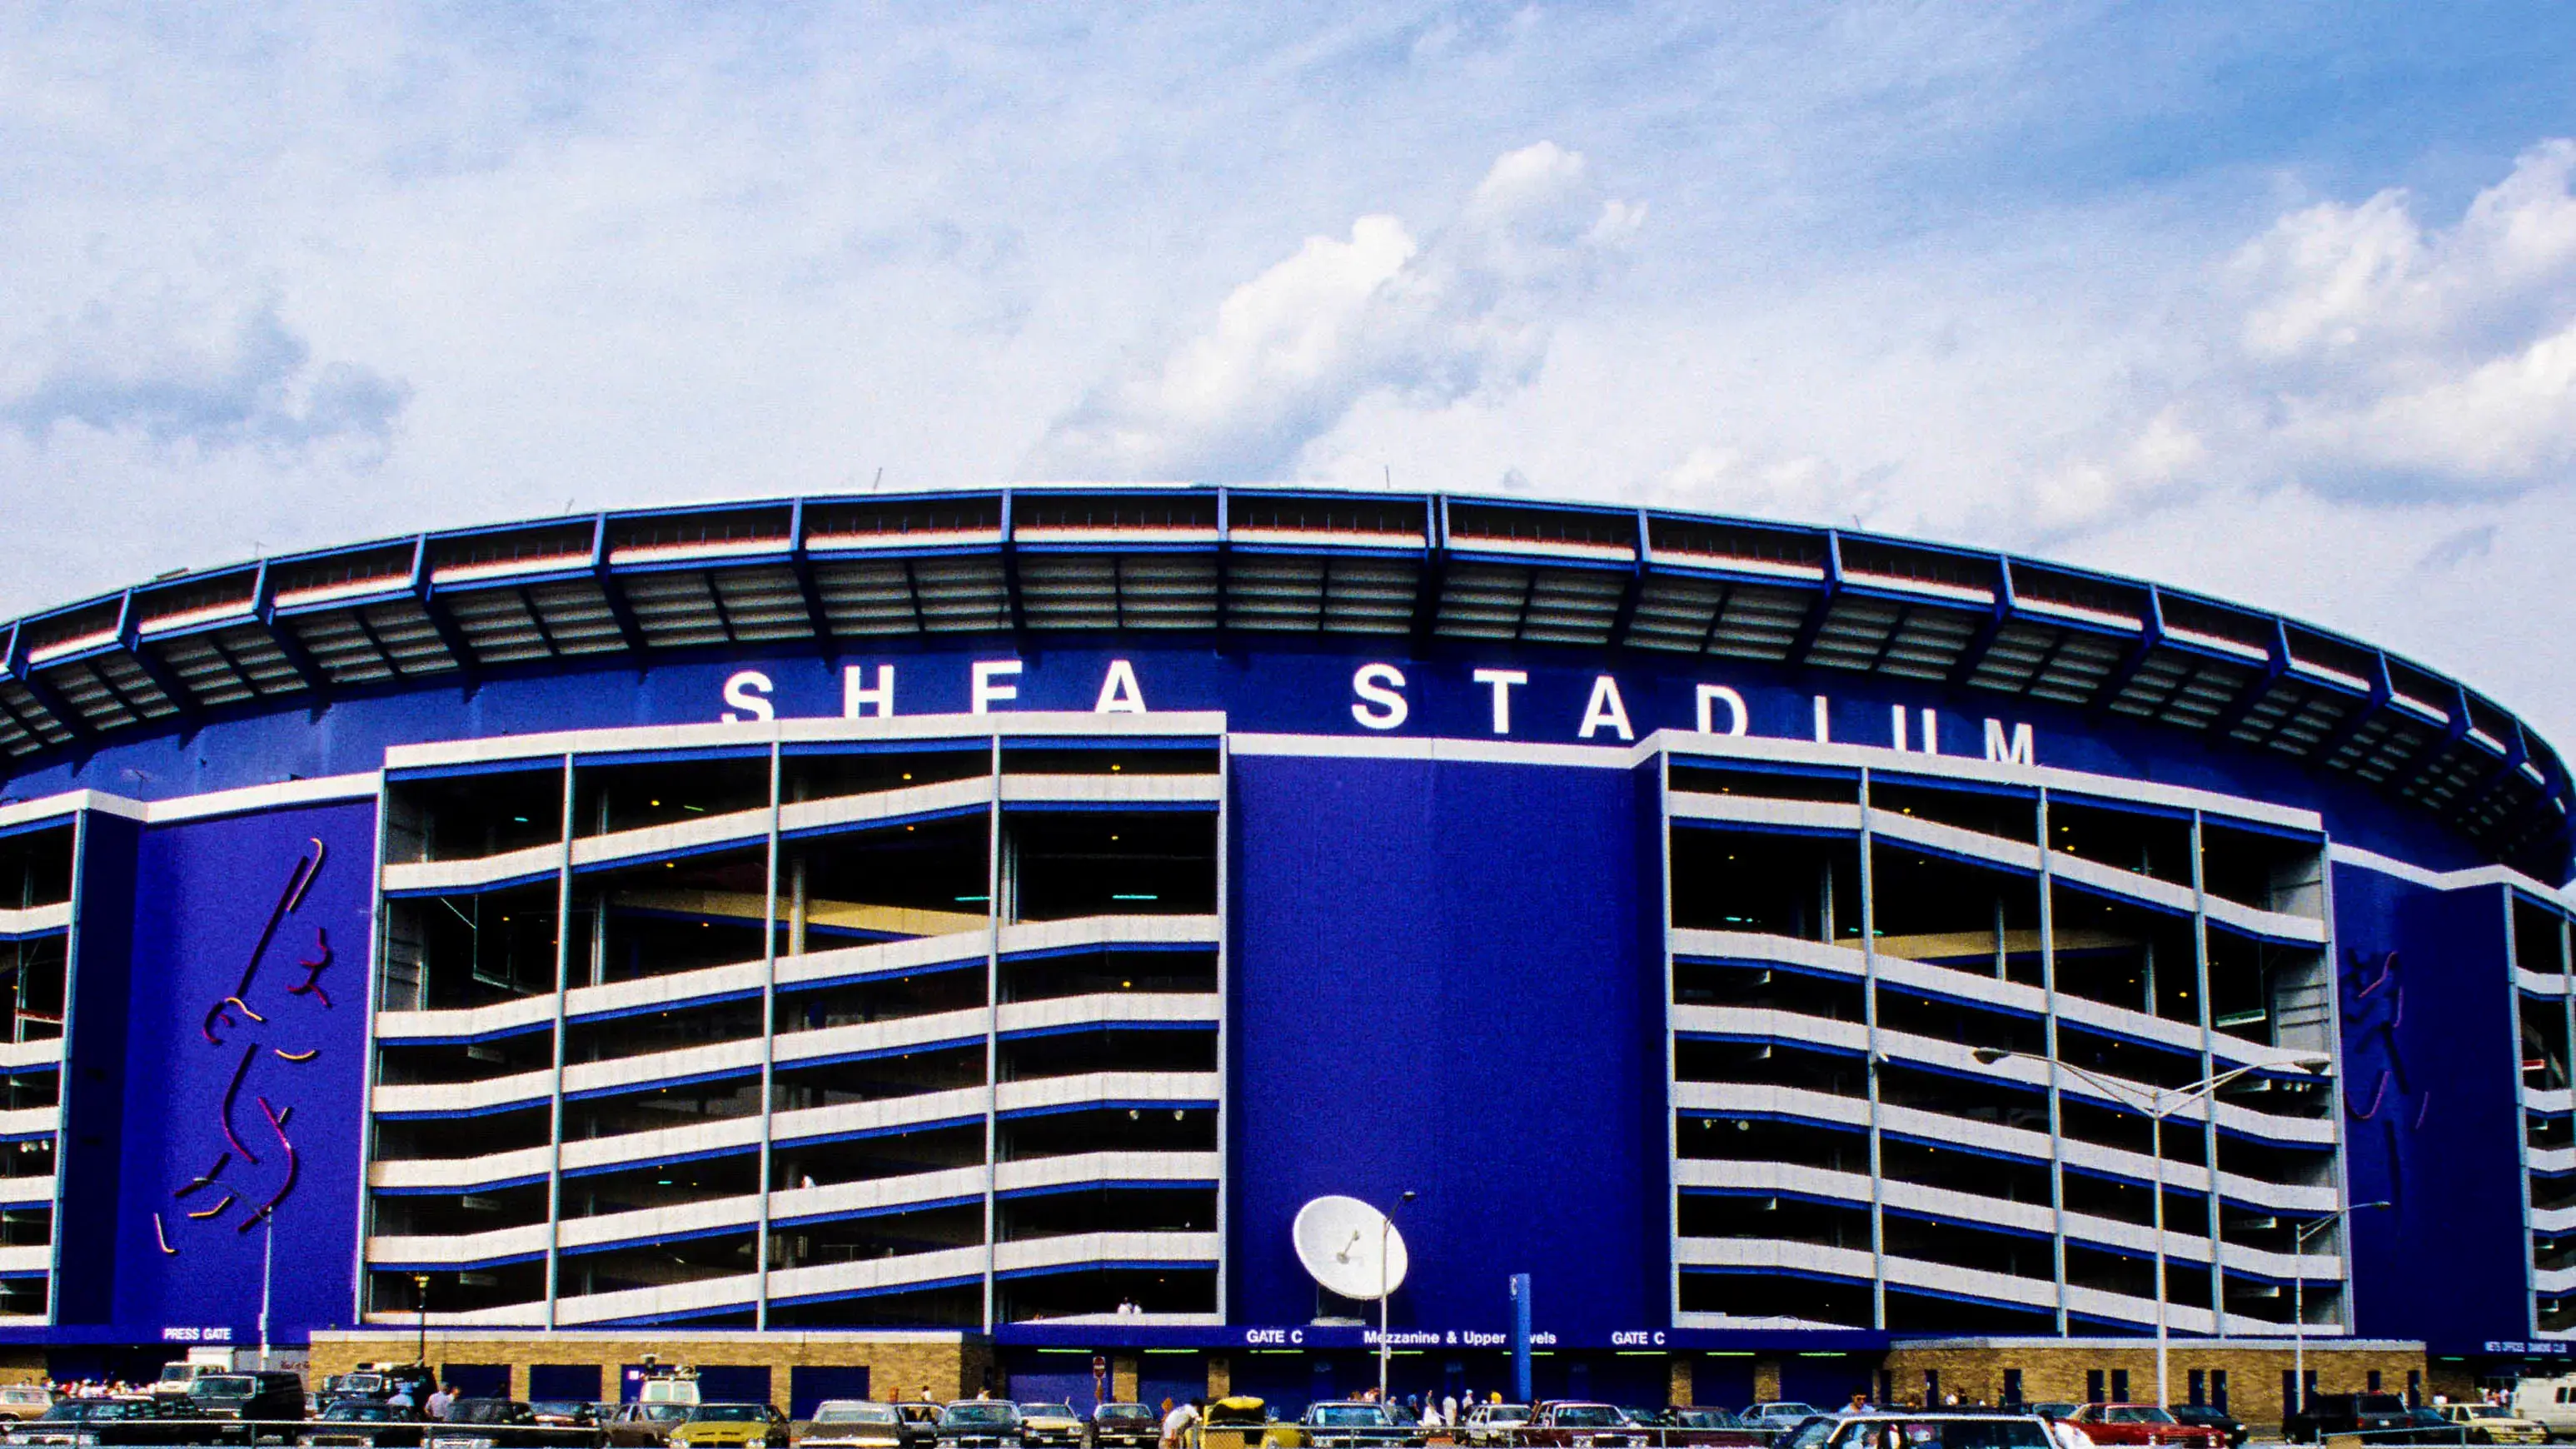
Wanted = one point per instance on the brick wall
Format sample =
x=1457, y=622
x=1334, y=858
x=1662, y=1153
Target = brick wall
x=2054, y=1371
x=897, y=1367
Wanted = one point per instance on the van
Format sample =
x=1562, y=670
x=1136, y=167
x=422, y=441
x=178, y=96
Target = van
x=2550, y=1403
x=249, y=1396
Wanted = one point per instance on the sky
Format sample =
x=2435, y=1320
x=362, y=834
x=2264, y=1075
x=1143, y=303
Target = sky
x=2273, y=302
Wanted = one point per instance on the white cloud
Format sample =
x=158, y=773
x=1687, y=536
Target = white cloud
x=1467, y=313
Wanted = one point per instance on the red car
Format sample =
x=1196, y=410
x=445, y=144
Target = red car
x=2141, y=1424
x=1571, y=1425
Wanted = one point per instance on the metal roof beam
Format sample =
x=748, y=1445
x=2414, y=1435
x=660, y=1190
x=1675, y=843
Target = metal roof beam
x=2252, y=694
x=1974, y=652
x=1832, y=586
x=441, y=621
x=2381, y=692
x=2150, y=635
x=619, y=609
x=802, y=566
x=283, y=638
x=1429, y=584
x=1629, y=592
x=129, y=637
x=13, y=665
x=1011, y=569
x=2433, y=754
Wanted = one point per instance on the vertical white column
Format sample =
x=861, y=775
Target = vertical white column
x=2214, y=1207
x=993, y=884
x=1869, y=1065
x=2048, y=990
x=1224, y=1016
x=768, y=1041
x=554, y=1087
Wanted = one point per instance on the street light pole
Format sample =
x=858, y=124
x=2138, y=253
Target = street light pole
x=2299, y=1299
x=2158, y=1104
x=420, y=1297
x=1385, y=1227
x=267, y=1262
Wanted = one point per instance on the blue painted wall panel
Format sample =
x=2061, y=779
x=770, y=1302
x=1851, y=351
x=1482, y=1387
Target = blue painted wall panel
x=95, y=1096
x=2431, y=1114
x=206, y=892
x=1440, y=986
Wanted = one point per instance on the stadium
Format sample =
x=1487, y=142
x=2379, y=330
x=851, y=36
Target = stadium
x=946, y=938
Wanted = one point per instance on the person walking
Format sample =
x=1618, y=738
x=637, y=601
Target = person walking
x=441, y=1399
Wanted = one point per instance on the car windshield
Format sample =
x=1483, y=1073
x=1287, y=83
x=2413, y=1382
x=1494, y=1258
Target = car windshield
x=1122, y=1411
x=177, y=1373
x=1587, y=1416
x=2487, y=1411
x=1349, y=1415
x=2126, y=1414
x=1703, y=1418
x=1507, y=1413
x=729, y=1414
x=1995, y=1433
x=1808, y=1435
x=222, y=1386
x=2382, y=1404
x=1048, y=1411
x=362, y=1409
x=667, y=1413
x=978, y=1414
x=855, y=1414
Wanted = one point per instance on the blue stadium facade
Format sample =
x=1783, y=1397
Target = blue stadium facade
x=997, y=912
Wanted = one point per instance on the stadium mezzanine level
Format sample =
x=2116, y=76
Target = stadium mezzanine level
x=851, y=572
x=1850, y=949
x=970, y=1074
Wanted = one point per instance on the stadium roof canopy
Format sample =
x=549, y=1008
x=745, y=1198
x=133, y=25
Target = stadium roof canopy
x=447, y=607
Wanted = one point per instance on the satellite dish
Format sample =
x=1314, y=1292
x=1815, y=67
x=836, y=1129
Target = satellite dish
x=1339, y=1238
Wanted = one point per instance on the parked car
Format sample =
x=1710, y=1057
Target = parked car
x=500, y=1424
x=1490, y=1425
x=365, y=1421
x=731, y=1426
x=853, y=1424
x=2211, y=1418
x=644, y=1426
x=2141, y=1424
x=1055, y=1425
x=1780, y=1414
x=1680, y=1427
x=1133, y=1426
x=249, y=1396
x=565, y=1413
x=1573, y=1424
x=24, y=1401
x=1346, y=1424
x=2494, y=1424
x=1934, y=1430
x=2423, y=1426
x=920, y=1426
x=979, y=1424
x=2345, y=1414
x=127, y=1420
x=1238, y=1421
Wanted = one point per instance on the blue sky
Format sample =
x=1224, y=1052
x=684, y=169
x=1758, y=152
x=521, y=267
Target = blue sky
x=2278, y=302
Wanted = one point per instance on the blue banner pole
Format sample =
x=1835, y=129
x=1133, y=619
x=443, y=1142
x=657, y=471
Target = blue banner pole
x=1521, y=1337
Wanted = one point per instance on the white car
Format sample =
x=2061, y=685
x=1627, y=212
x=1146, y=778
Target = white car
x=854, y=1424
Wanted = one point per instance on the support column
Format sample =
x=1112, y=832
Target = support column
x=2048, y=988
x=1869, y=1067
